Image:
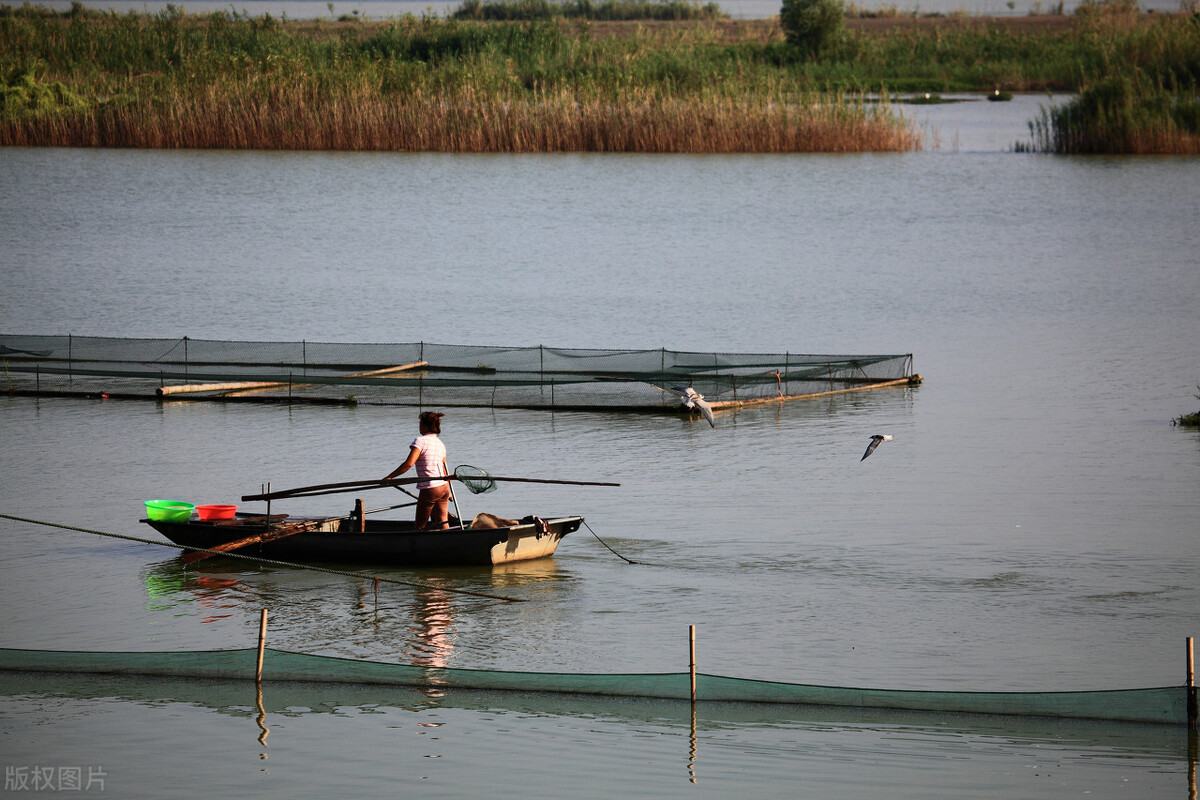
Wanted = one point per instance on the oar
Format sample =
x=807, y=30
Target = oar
x=354, y=486
x=271, y=534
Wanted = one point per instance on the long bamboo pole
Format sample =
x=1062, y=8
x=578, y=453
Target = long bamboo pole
x=353, y=486
x=284, y=530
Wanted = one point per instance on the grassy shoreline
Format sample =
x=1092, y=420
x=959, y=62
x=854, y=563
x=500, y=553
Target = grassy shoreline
x=228, y=81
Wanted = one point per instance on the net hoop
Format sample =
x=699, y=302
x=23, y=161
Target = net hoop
x=476, y=480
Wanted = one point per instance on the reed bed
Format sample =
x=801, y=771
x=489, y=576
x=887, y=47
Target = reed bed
x=510, y=10
x=224, y=80
x=296, y=120
x=1141, y=93
x=221, y=82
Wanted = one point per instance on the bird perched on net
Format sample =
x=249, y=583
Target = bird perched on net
x=876, y=440
x=692, y=399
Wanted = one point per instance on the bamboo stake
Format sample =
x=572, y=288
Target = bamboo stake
x=692, y=659
x=1191, y=665
x=262, y=643
x=1192, y=712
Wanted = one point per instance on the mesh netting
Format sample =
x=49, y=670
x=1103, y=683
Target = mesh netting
x=424, y=373
x=477, y=480
x=1164, y=705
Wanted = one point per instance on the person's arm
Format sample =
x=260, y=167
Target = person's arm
x=413, y=454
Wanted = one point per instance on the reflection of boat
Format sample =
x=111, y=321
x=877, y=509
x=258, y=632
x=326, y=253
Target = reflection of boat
x=380, y=541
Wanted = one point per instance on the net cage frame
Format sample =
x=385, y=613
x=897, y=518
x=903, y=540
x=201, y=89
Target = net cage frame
x=430, y=373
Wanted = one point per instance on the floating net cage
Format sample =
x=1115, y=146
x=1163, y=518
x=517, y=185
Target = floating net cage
x=1167, y=705
x=425, y=373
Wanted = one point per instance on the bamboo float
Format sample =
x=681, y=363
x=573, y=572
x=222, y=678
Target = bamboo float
x=189, y=388
x=725, y=405
x=235, y=387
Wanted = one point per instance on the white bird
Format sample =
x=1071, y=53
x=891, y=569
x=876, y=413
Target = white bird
x=875, y=442
x=693, y=399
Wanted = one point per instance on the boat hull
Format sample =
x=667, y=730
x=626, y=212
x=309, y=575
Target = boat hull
x=390, y=542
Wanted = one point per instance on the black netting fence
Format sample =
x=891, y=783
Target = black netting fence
x=426, y=373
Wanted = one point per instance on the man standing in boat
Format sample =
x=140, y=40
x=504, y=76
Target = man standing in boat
x=428, y=454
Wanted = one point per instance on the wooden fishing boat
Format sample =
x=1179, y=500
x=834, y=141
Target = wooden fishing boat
x=359, y=540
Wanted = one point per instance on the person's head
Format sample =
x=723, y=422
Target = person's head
x=430, y=422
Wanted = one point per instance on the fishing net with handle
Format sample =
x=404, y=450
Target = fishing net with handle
x=476, y=480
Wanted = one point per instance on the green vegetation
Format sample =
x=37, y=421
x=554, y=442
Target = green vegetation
x=1189, y=420
x=234, y=81
x=1141, y=99
x=22, y=92
x=228, y=81
x=526, y=10
x=812, y=26
x=1121, y=114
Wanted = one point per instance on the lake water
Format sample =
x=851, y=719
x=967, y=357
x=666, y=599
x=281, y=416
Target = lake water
x=1032, y=526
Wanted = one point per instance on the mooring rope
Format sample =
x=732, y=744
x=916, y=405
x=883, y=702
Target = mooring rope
x=272, y=562
x=601, y=541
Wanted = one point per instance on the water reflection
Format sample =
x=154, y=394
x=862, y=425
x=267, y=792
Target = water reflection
x=394, y=616
x=212, y=593
x=261, y=719
x=734, y=735
x=432, y=643
x=692, y=748
x=1193, y=756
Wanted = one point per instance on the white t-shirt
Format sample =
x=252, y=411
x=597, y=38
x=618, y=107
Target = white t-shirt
x=429, y=463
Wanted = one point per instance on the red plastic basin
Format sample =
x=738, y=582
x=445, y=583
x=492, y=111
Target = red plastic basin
x=216, y=512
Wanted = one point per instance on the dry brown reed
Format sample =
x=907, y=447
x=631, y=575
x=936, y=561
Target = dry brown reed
x=296, y=119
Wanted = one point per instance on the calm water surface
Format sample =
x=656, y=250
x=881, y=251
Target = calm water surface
x=1032, y=525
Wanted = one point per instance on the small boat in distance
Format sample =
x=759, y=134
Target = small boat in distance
x=352, y=539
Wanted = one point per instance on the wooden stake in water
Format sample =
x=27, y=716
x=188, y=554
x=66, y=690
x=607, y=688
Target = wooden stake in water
x=262, y=643
x=1191, y=686
x=692, y=658
x=1191, y=665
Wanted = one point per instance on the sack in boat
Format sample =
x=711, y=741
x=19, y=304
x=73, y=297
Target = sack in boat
x=491, y=521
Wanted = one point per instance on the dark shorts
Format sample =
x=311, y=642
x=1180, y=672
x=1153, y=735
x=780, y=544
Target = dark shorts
x=433, y=506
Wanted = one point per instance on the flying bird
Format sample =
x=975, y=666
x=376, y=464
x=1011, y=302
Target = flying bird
x=693, y=399
x=876, y=440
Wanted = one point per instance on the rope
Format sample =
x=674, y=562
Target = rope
x=601, y=541
x=270, y=561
